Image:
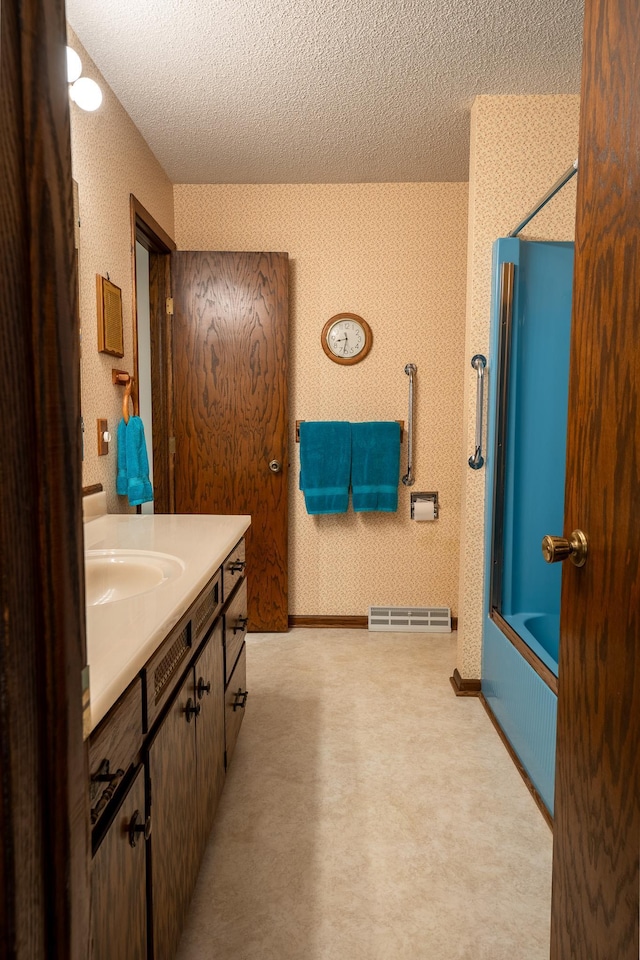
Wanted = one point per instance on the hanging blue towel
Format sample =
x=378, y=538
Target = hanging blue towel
x=375, y=466
x=121, y=476
x=325, y=465
x=139, y=489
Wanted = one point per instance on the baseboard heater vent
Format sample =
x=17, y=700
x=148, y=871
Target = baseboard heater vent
x=412, y=619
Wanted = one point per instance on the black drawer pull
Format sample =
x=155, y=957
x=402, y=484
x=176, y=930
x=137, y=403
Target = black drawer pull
x=241, y=624
x=192, y=709
x=103, y=775
x=237, y=566
x=202, y=688
x=240, y=699
x=106, y=796
x=136, y=828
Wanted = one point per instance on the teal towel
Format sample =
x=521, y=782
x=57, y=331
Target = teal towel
x=139, y=489
x=325, y=465
x=121, y=476
x=375, y=465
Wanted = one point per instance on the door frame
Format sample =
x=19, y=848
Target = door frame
x=44, y=802
x=147, y=231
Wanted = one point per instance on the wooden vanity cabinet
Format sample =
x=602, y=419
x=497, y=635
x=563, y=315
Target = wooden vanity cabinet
x=181, y=720
x=119, y=882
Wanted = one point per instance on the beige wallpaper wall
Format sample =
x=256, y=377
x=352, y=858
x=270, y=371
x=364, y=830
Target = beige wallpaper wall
x=395, y=254
x=110, y=161
x=519, y=147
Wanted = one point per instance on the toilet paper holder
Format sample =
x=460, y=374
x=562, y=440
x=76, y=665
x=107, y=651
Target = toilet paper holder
x=422, y=497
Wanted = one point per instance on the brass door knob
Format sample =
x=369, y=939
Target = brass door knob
x=556, y=549
x=275, y=466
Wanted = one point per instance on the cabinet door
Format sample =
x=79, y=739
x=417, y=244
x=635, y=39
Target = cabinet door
x=235, y=700
x=174, y=809
x=118, y=883
x=210, y=729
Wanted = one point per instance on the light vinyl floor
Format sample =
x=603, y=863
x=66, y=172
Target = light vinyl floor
x=369, y=814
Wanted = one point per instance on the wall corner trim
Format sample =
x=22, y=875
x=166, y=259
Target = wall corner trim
x=465, y=688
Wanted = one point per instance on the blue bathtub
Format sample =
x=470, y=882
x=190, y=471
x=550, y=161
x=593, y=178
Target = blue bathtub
x=541, y=633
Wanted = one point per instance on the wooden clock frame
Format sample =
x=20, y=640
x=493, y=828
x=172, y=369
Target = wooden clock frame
x=368, y=339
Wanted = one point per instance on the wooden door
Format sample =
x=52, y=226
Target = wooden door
x=44, y=799
x=230, y=355
x=597, y=805
x=175, y=837
x=210, y=729
x=119, y=884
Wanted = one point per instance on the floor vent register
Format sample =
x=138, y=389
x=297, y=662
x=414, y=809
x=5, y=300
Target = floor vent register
x=411, y=619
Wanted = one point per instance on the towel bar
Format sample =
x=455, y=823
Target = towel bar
x=298, y=422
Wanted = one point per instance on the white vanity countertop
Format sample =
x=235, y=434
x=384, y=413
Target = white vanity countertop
x=121, y=636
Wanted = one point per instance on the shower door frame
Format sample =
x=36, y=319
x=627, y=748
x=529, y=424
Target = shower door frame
x=507, y=259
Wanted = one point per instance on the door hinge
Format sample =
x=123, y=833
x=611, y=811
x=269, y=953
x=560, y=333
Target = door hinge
x=169, y=306
x=172, y=446
x=86, y=697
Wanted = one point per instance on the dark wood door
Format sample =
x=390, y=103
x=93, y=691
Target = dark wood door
x=597, y=805
x=44, y=800
x=210, y=729
x=175, y=838
x=119, y=885
x=230, y=355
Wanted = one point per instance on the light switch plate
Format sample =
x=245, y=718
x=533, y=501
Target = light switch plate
x=103, y=446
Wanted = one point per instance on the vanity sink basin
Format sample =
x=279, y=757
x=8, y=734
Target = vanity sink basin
x=112, y=575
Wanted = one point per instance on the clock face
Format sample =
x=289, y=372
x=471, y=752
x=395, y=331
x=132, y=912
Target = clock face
x=346, y=338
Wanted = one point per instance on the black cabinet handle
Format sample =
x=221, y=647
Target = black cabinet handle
x=192, y=709
x=241, y=624
x=135, y=828
x=237, y=566
x=202, y=688
x=240, y=699
x=103, y=775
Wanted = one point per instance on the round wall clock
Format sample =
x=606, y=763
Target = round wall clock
x=346, y=338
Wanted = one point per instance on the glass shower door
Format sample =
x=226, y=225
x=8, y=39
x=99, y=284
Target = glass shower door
x=531, y=427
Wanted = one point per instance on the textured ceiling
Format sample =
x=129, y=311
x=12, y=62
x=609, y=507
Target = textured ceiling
x=322, y=91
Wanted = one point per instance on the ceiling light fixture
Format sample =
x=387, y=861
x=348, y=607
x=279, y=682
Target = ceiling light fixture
x=83, y=91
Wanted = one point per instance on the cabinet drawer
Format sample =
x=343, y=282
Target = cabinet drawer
x=233, y=569
x=113, y=747
x=235, y=700
x=235, y=630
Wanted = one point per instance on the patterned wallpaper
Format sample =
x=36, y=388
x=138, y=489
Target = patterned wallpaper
x=110, y=161
x=519, y=147
x=395, y=254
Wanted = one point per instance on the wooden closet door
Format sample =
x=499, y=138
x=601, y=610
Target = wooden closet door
x=230, y=358
x=597, y=804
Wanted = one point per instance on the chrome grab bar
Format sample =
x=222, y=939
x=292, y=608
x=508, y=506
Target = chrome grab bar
x=408, y=478
x=478, y=363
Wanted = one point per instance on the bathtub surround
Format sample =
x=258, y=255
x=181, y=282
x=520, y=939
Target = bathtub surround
x=394, y=254
x=519, y=147
x=110, y=161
